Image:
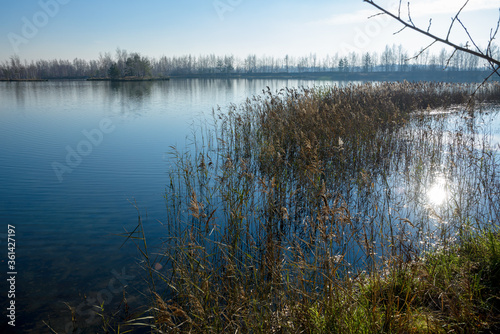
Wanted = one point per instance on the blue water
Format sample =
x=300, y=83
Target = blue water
x=69, y=194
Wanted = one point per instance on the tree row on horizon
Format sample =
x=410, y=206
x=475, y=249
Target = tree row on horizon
x=124, y=64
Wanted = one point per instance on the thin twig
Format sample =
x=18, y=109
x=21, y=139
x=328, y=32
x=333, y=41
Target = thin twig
x=454, y=19
x=51, y=329
x=397, y=32
x=409, y=15
x=495, y=70
x=449, y=59
x=492, y=37
x=375, y=15
x=421, y=51
x=470, y=37
x=471, y=99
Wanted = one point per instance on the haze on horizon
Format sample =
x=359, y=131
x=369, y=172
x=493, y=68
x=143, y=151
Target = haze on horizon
x=68, y=29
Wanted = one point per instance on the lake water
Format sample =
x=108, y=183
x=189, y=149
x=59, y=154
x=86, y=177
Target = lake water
x=76, y=159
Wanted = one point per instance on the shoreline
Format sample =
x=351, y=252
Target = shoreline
x=439, y=76
x=19, y=80
x=449, y=76
x=129, y=79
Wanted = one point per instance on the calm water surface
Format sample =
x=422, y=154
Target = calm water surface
x=76, y=157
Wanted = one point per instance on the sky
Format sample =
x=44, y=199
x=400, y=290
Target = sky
x=68, y=29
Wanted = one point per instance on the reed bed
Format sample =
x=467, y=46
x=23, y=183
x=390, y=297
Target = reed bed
x=309, y=211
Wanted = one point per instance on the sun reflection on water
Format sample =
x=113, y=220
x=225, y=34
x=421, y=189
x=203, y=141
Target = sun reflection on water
x=437, y=193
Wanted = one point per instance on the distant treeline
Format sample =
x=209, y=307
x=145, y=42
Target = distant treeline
x=125, y=64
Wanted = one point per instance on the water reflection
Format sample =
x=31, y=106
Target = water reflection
x=132, y=90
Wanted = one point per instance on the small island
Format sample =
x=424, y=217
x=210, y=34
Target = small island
x=134, y=68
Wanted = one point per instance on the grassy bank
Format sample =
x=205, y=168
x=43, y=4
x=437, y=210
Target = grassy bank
x=314, y=211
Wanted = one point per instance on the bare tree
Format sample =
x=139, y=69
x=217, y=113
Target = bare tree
x=488, y=54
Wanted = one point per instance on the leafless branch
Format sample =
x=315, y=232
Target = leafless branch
x=487, y=55
x=446, y=40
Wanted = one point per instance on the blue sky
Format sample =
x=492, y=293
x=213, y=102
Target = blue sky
x=67, y=29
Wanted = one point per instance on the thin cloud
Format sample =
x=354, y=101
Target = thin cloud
x=424, y=8
x=417, y=8
x=349, y=18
